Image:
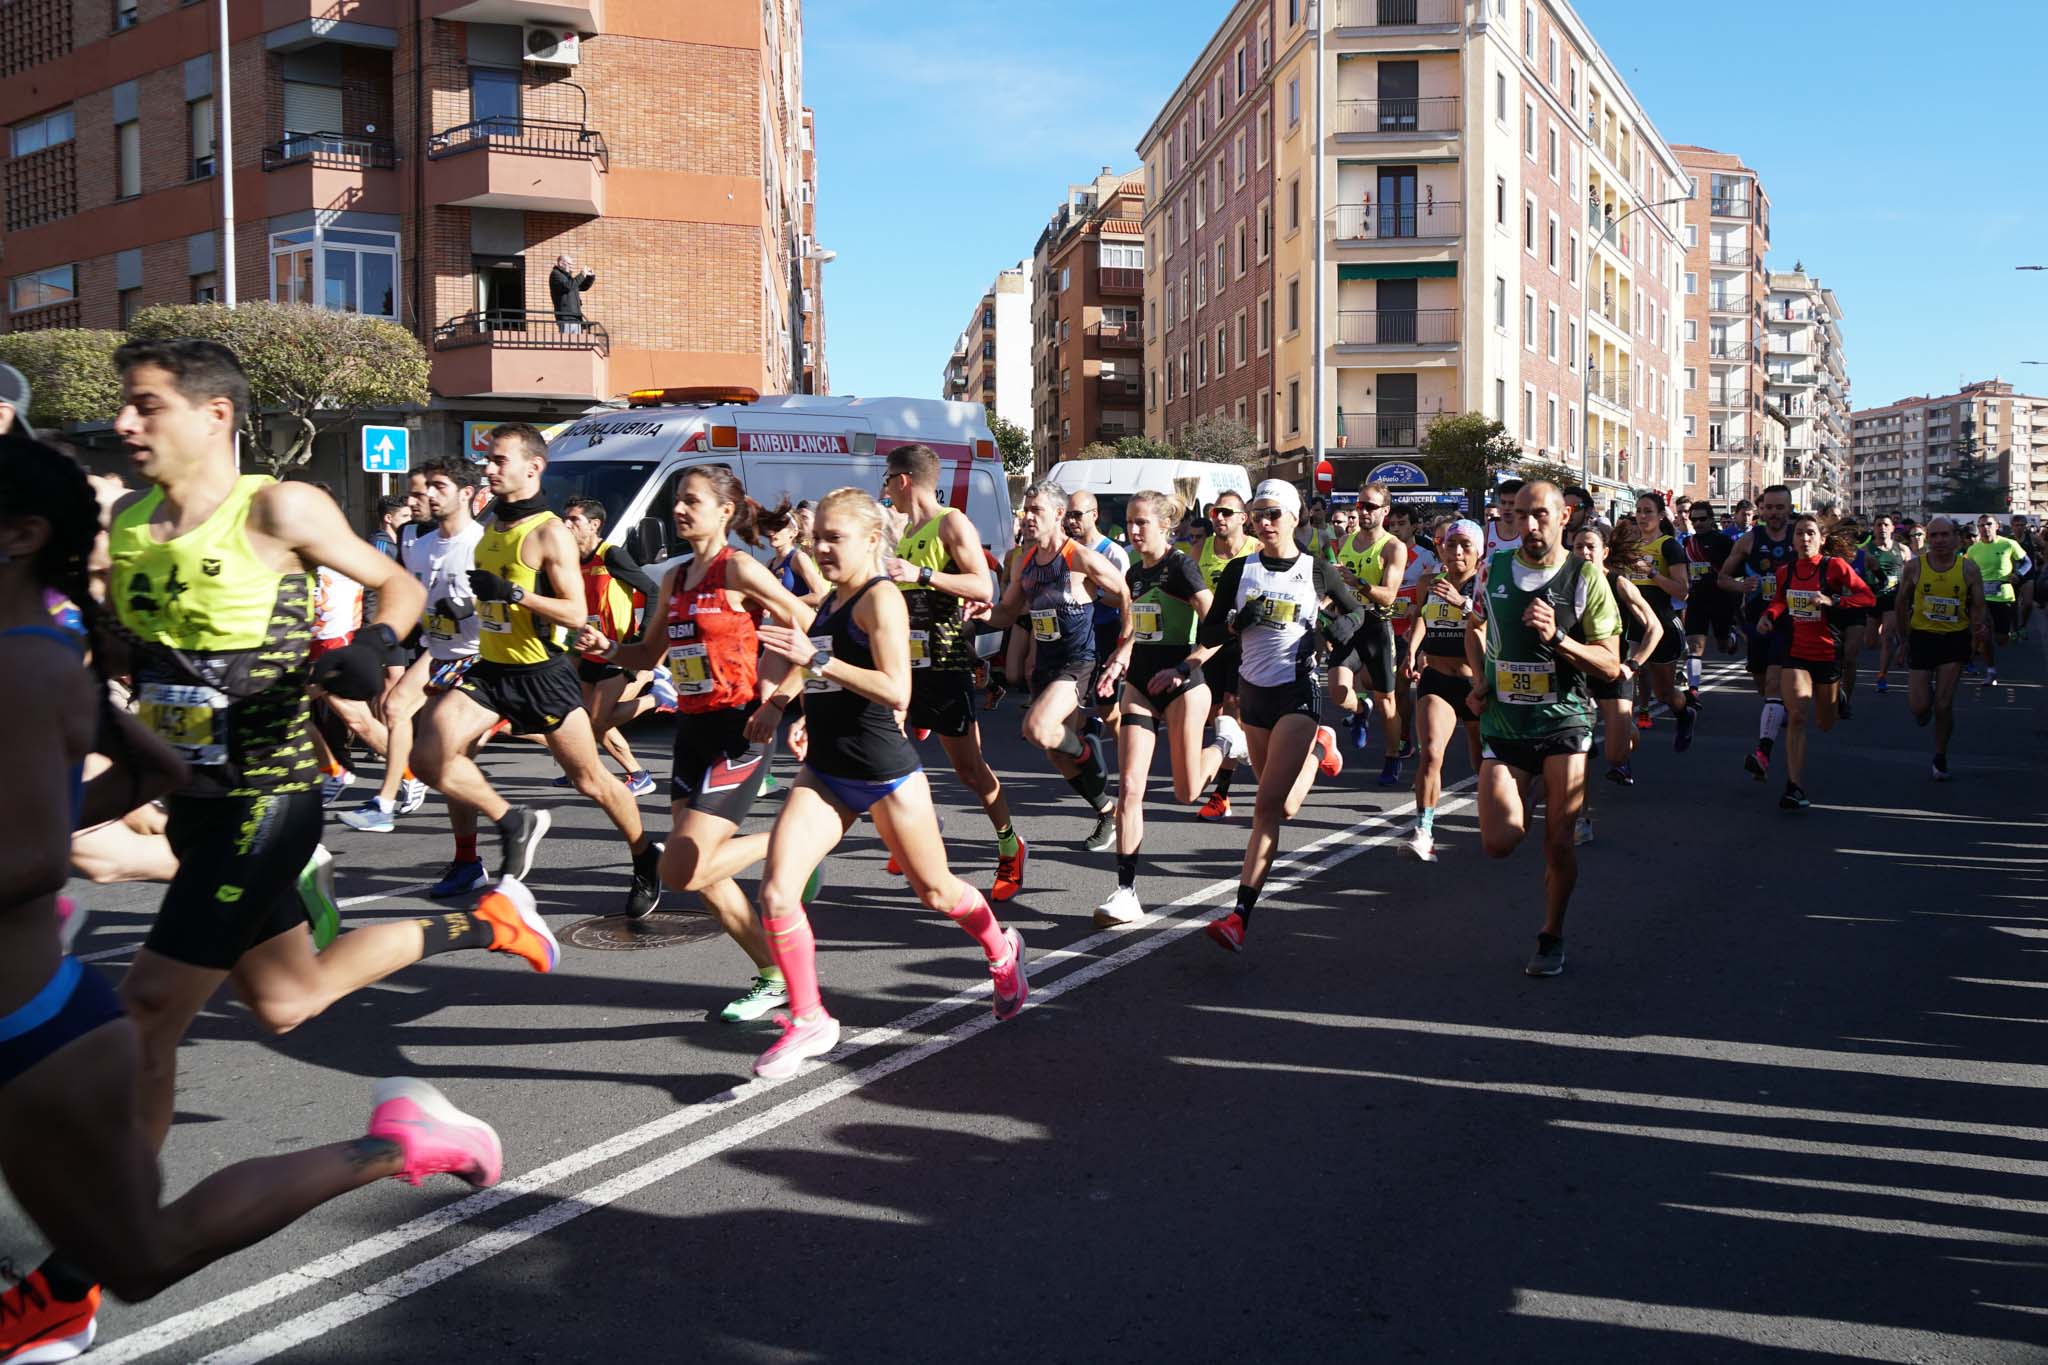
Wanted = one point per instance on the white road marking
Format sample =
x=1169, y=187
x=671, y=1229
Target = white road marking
x=1287, y=872
x=1863, y=1340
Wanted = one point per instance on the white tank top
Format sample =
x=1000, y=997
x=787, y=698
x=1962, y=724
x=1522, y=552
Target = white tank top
x=1278, y=647
x=442, y=566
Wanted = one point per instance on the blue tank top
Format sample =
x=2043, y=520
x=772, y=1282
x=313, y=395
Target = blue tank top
x=1061, y=616
x=1765, y=558
x=785, y=572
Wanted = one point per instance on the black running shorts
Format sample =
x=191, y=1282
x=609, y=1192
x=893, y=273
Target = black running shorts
x=1927, y=650
x=1371, y=654
x=942, y=701
x=714, y=769
x=1450, y=687
x=1527, y=755
x=239, y=859
x=534, y=699
x=1265, y=707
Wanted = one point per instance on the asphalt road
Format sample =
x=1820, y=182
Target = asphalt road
x=1783, y=1104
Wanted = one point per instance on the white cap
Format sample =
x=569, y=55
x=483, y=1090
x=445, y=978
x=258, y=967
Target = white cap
x=1281, y=494
x=1467, y=528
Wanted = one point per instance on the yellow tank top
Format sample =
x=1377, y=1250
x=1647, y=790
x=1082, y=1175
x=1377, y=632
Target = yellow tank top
x=510, y=634
x=1367, y=562
x=204, y=592
x=1941, y=598
x=1212, y=564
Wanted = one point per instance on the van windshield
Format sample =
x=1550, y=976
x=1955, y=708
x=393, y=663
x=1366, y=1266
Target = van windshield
x=615, y=483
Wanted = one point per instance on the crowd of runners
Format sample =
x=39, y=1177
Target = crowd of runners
x=192, y=668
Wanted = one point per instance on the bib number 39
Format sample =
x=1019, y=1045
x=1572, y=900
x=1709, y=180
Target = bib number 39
x=1524, y=684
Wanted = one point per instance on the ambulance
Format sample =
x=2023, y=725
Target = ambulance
x=794, y=446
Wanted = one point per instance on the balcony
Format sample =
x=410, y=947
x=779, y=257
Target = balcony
x=1397, y=13
x=1730, y=260
x=1737, y=304
x=1113, y=432
x=1726, y=206
x=1730, y=352
x=1120, y=336
x=1396, y=222
x=331, y=151
x=1398, y=327
x=585, y=16
x=1115, y=390
x=65, y=314
x=1431, y=116
x=1120, y=279
x=534, y=164
x=521, y=355
x=1610, y=387
x=1381, y=431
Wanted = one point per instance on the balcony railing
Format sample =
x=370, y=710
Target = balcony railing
x=1120, y=279
x=521, y=330
x=1727, y=303
x=1611, y=386
x=1728, y=206
x=1121, y=335
x=1728, y=352
x=528, y=136
x=1409, y=116
x=1396, y=13
x=1730, y=259
x=1117, y=388
x=1116, y=431
x=65, y=314
x=1390, y=221
x=1381, y=431
x=331, y=151
x=1397, y=327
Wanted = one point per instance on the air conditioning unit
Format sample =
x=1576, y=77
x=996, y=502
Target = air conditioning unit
x=553, y=46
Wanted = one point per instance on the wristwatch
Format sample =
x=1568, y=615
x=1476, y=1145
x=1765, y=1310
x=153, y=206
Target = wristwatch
x=518, y=594
x=924, y=576
x=1556, y=637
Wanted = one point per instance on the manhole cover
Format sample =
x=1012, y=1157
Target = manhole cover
x=617, y=934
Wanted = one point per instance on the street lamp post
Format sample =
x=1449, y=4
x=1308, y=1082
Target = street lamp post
x=1586, y=337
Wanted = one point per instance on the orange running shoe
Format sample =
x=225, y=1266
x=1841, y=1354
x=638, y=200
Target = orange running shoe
x=1333, y=760
x=1010, y=873
x=895, y=868
x=36, y=1325
x=516, y=925
x=1217, y=807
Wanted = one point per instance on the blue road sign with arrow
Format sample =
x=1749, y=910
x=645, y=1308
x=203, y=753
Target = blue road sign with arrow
x=386, y=450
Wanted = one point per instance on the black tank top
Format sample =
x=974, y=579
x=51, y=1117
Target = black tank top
x=850, y=736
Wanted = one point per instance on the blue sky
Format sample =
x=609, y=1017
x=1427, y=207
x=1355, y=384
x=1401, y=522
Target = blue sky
x=1906, y=160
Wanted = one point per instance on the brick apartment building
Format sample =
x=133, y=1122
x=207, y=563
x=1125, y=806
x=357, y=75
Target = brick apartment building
x=1086, y=336
x=1735, y=432
x=1488, y=233
x=1901, y=449
x=427, y=161
x=991, y=361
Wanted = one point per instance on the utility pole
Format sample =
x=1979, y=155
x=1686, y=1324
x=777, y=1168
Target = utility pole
x=1315, y=458
x=225, y=165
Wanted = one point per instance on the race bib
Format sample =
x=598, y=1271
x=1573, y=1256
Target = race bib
x=812, y=682
x=920, y=649
x=1700, y=571
x=1145, y=615
x=1278, y=611
x=439, y=627
x=1524, y=684
x=1769, y=589
x=192, y=720
x=495, y=617
x=690, y=666
x=1800, y=603
x=1045, y=625
x=1945, y=611
x=1403, y=608
x=1436, y=611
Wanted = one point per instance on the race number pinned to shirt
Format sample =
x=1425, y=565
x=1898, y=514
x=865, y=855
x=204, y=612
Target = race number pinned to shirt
x=189, y=719
x=812, y=682
x=1045, y=624
x=1145, y=616
x=1521, y=684
x=690, y=666
x=920, y=649
x=1799, y=601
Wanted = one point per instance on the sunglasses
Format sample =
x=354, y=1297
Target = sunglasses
x=1268, y=513
x=1372, y=507
x=1226, y=511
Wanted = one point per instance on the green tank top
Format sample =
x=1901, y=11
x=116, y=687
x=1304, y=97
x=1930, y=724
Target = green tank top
x=1881, y=568
x=1535, y=692
x=938, y=634
x=1212, y=564
x=221, y=644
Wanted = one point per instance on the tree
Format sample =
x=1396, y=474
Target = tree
x=1549, y=471
x=70, y=372
x=1219, y=440
x=1097, y=450
x=1144, y=448
x=1969, y=482
x=310, y=370
x=1465, y=450
x=1013, y=442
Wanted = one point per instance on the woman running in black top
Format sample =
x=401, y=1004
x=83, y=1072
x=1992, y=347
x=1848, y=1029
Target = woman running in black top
x=1437, y=665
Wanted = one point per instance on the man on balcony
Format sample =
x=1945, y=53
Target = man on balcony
x=566, y=283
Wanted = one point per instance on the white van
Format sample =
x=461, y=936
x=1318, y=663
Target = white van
x=795, y=446
x=1114, y=481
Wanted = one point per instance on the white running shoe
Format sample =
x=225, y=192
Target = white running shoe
x=334, y=784
x=1420, y=845
x=1120, y=909
x=412, y=794
x=1230, y=739
x=1582, y=831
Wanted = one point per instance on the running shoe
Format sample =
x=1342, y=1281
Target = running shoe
x=895, y=867
x=1794, y=798
x=1012, y=986
x=1728, y=643
x=1360, y=727
x=562, y=782
x=1420, y=845
x=1333, y=757
x=921, y=734
x=812, y=884
x=519, y=836
x=1217, y=807
x=1120, y=909
x=1688, y=721
x=1103, y=836
x=516, y=925
x=1991, y=677
x=1973, y=671
x=801, y=1040
x=1692, y=697
x=663, y=690
x=1883, y=686
x=640, y=783
x=1230, y=739
x=36, y=1325
x=1549, y=956
x=70, y=920
x=1844, y=709
x=1406, y=753
x=994, y=699
x=1643, y=721
x=1227, y=932
x=645, y=896
x=459, y=878
x=412, y=794
x=1620, y=775
x=766, y=994
x=436, y=1137
x=1758, y=763
x=769, y=786
x=1390, y=772
x=1582, y=830
x=316, y=893
x=372, y=817
x=334, y=784
x=1940, y=771
x=1010, y=873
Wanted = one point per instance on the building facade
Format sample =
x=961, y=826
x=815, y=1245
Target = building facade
x=1087, y=383
x=991, y=363
x=1900, y=450
x=1734, y=430
x=1806, y=380
x=1447, y=206
x=427, y=162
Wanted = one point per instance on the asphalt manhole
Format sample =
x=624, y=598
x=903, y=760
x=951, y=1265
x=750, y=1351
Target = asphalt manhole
x=618, y=934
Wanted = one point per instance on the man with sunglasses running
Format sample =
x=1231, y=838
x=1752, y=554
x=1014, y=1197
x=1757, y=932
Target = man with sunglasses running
x=1374, y=563
x=1709, y=609
x=1229, y=539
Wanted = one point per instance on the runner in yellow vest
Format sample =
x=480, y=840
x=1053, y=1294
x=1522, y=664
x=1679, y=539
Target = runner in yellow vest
x=1940, y=608
x=1376, y=562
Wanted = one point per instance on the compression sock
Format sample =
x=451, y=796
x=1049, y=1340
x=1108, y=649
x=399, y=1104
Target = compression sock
x=1770, y=725
x=1223, y=776
x=796, y=955
x=1006, y=841
x=66, y=1281
x=973, y=915
x=1126, y=871
x=1071, y=745
x=453, y=933
x=1425, y=819
x=1692, y=671
x=1091, y=782
x=465, y=848
x=1247, y=897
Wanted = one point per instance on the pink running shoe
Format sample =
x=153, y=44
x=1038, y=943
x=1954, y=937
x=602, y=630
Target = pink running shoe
x=1333, y=758
x=1012, y=986
x=1227, y=932
x=436, y=1137
x=801, y=1040
x=70, y=919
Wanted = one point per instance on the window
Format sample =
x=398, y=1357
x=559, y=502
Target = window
x=1265, y=130
x=1550, y=334
x=1293, y=13
x=1265, y=228
x=1152, y=389
x=1572, y=267
x=1293, y=406
x=1066, y=380
x=343, y=270
x=1500, y=304
x=1500, y=400
x=1551, y=248
x=1571, y=423
x=1222, y=259
x=1529, y=225
x=1293, y=102
x=1500, y=98
x=1169, y=303
x=1691, y=471
x=1239, y=63
x=1692, y=283
x=1571, y=348
x=1201, y=199
x=199, y=118
x=1552, y=156
x=1261, y=431
x=1222, y=346
x=1293, y=306
x=1528, y=413
x=1691, y=379
x=125, y=15
x=1201, y=283
x=1265, y=44
x=1529, y=320
x=1237, y=412
x=1692, y=330
x=127, y=159
x=1240, y=334
x=206, y=287
x=1265, y=323
x=1529, y=129
x=1237, y=160
x=1181, y=217
x=1216, y=185
x=42, y=289
x=49, y=130
x=130, y=301
x=1120, y=255
x=1066, y=277
x=1201, y=361
x=1500, y=201
x=1294, y=206
x=1553, y=62
x=1692, y=236
x=1529, y=32
x=1550, y=422
x=1691, y=429
x=1240, y=263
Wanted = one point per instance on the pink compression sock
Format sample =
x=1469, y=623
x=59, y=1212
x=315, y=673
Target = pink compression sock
x=796, y=953
x=973, y=915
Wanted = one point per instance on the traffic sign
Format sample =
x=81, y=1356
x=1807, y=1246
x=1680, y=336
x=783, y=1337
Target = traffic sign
x=1397, y=472
x=386, y=450
x=1326, y=476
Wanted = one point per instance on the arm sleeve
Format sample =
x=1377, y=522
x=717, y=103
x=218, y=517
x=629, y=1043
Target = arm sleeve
x=1329, y=583
x=623, y=567
x=1216, y=625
